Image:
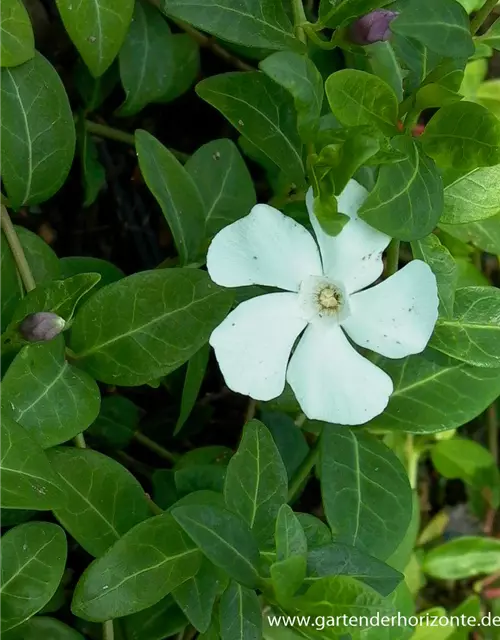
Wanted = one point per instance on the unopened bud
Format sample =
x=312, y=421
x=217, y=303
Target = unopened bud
x=374, y=27
x=41, y=326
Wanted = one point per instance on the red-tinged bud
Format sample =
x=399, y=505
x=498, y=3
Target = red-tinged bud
x=41, y=326
x=374, y=27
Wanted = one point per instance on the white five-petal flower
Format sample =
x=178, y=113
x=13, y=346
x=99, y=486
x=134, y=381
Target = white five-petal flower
x=325, y=295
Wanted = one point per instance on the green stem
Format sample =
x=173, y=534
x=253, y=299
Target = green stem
x=108, y=631
x=481, y=15
x=412, y=460
x=17, y=251
x=392, y=257
x=303, y=471
x=79, y=441
x=314, y=37
x=153, y=446
x=299, y=18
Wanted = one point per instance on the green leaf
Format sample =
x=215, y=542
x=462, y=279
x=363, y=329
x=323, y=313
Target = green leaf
x=441, y=26
x=200, y=477
x=175, y=192
x=185, y=54
x=224, y=182
x=407, y=200
x=17, y=42
x=164, y=489
x=289, y=439
x=444, y=267
x=94, y=91
x=463, y=136
x=37, y=132
x=46, y=628
x=472, y=197
x=224, y=539
x=43, y=263
x=50, y=398
x=287, y=577
x=385, y=65
x=434, y=95
x=144, y=78
x=358, y=472
x=400, y=557
x=263, y=112
x=255, y=23
x=492, y=36
x=417, y=59
x=75, y=265
x=290, y=537
x=484, y=234
x=342, y=559
x=93, y=173
x=116, y=423
x=472, y=334
x=435, y=393
x=256, y=482
x=298, y=75
x=317, y=532
x=196, y=596
x=28, y=481
x=59, y=296
x=195, y=373
x=146, y=564
x=162, y=620
x=344, y=11
x=488, y=94
x=104, y=500
x=147, y=324
x=97, y=29
x=463, y=558
x=357, y=98
x=468, y=461
x=33, y=561
x=240, y=614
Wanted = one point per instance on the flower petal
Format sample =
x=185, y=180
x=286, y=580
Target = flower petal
x=253, y=344
x=265, y=247
x=333, y=382
x=354, y=256
x=396, y=317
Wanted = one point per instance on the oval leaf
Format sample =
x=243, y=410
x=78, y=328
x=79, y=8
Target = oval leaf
x=240, y=614
x=36, y=111
x=472, y=197
x=33, y=561
x=17, y=44
x=484, y=234
x=94, y=516
x=138, y=571
x=46, y=628
x=463, y=558
x=174, y=312
x=97, y=29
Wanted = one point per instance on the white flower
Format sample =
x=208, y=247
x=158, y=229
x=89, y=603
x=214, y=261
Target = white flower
x=325, y=295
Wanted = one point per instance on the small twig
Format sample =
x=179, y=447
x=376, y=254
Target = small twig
x=17, y=251
x=79, y=441
x=108, y=631
x=482, y=15
x=154, y=446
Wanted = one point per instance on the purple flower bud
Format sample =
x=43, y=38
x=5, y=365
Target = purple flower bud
x=41, y=326
x=374, y=27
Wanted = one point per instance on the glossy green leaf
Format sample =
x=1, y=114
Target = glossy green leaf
x=215, y=454
x=441, y=26
x=317, y=532
x=195, y=374
x=185, y=54
x=28, y=481
x=488, y=94
x=200, y=477
x=17, y=42
x=46, y=628
x=434, y=95
x=256, y=481
x=240, y=614
x=444, y=267
x=492, y=36
x=36, y=111
x=175, y=192
x=358, y=98
x=473, y=333
x=33, y=561
x=162, y=620
x=484, y=234
x=298, y=75
x=385, y=65
x=334, y=13
x=75, y=265
x=287, y=576
x=224, y=182
x=116, y=423
x=144, y=78
x=97, y=29
x=342, y=559
x=263, y=112
x=357, y=473
x=254, y=23
x=417, y=59
x=289, y=439
x=224, y=538
x=463, y=136
x=104, y=500
x=290, y=537
x=400, y=557
x=43, y=263
x=463, y=558
x=49, y=397
x=93, y=173
x=407, y=200
x=435, y=393
x=146, y=564
x=472, y=197
x=164, y=489
x=196, y=596
x=94, y=91
x=147, y=324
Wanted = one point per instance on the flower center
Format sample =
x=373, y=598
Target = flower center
x=321, y=299
x=329, y=298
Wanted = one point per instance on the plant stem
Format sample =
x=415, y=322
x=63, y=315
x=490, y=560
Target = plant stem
x=250, y=412
x=108, y=631
x=299, y=18
x=153, y=446
x=17, y=251
x=392, y=257
x=412, y=460
x=79, y=441
x=481, y=15
x=303, y=471
x=492, y=420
